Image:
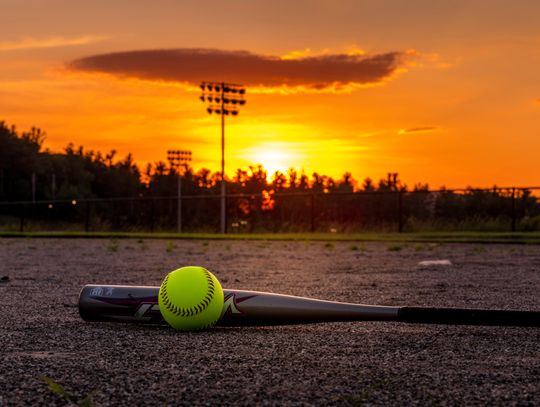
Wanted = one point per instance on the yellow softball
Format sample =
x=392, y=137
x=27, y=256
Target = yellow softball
x=190, y=298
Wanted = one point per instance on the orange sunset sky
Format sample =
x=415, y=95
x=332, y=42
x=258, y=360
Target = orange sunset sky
x=444, y=92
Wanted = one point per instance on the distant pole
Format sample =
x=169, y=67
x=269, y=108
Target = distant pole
x=87, y=216
x=513, y=209
x=1, y=182
x=53, y=185
x=223, y=185
x=33, y=187
x=152, y=214
x=223, y=99
x=179, y=205
x=21, y=223
x=400, y=211
x=176, y=159
x=312, y=210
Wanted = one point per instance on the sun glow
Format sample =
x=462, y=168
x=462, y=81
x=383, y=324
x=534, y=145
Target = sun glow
x=273, y=157
x=273, y=161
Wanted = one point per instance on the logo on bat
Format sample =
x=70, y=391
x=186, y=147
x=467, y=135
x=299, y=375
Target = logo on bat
x=96, y=292
x=146, y=310
x=230, y=304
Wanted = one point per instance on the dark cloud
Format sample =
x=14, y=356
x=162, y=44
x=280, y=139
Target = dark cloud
x=196, y=65
x=418, y=129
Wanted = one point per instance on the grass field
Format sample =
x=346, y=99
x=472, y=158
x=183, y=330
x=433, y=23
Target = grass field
x=437, y=237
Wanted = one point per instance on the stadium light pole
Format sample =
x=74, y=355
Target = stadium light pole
x=176, y=159
x=223, y=99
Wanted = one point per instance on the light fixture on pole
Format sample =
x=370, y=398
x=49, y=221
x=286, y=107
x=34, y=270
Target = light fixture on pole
x=176, y=159
x=223, y=99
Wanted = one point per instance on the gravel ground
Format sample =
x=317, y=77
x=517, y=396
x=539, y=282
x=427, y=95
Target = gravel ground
x=359, y=363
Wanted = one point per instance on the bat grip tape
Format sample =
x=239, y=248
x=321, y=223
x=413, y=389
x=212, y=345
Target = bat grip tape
x=461, y=316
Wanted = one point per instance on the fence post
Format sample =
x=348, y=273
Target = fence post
x=224, y=207
x=152, y=215
x=513, y=214
x=21, y=225
x=400, y=211
x=312, y=211
x=179, y=205
x=87, y=216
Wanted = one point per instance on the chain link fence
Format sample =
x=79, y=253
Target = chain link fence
x=496, y=209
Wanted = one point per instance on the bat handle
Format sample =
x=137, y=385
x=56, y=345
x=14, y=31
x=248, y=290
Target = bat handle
x=461, y=316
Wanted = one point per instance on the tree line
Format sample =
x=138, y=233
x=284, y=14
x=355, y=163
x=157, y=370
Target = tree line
x=80, y=173
x=290, y=201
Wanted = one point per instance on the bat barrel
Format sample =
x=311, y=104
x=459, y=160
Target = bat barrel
x=463, y=316
x=255, y=308
x=140, y=304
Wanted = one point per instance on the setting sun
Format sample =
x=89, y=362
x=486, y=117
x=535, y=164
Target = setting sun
x=273, y=156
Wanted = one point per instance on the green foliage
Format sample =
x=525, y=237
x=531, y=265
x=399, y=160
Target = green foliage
x=361, y=248
x=432, y=239
x=419, y=247
x=75, y=174
x=530, y=223
x=57, y=389
x=396, y=247
x=142, y=244
x=113, y=245
x=170, y=247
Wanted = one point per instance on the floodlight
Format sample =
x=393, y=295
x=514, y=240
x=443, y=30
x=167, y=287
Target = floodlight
x=213, y=94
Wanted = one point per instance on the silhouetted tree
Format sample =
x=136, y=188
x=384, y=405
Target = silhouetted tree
x=77, y=173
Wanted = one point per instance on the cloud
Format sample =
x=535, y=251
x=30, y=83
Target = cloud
x=424, y=129
x=324, y=72
x=51, y=42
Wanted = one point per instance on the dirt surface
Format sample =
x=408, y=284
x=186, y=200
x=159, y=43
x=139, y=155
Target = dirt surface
x=358, y=363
